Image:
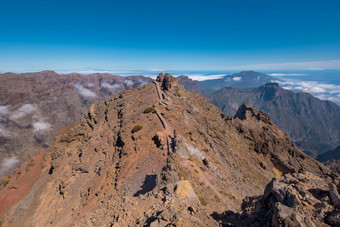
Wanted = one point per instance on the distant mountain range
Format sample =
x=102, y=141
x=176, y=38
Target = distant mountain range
x=331, y=158
x=311, y=123
x=239, y=80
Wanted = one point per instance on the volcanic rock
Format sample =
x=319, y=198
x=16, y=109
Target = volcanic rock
x=298, y=199
x=103, y=173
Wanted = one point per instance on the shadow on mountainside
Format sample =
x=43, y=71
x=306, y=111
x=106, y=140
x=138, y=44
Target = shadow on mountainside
x=148, y=185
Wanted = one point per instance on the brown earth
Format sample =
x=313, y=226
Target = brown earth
x=158, y=155
x=22, y=180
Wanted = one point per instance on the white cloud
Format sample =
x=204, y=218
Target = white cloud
x=237, y=78
x=41, y=126
x=84, y=92
x=5, y=133
x=7, y=164
x=322, y=91
x=200, y=77
x=128, y=82
x=26, y=109
x=90, y=85
x=4, y=110
x=143, y=82
x=153, y=76
x=109, y=86
x=23, y=111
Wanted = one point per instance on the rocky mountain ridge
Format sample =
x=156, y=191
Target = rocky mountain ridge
x=310, y=122
x=155, y=156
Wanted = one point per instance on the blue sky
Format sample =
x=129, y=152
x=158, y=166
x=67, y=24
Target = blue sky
x=169, y=34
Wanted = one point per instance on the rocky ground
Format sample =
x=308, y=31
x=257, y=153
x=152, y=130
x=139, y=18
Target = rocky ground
x=298, y=199
x=161, y=156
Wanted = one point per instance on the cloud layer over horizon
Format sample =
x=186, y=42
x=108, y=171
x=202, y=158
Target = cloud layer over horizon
x=322, y=91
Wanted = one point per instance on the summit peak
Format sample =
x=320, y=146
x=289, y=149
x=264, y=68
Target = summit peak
x=247, y=112
x=167, y=81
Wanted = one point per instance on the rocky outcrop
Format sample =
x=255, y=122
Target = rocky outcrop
x=167, y=81
x=267, y=139
x=246, y=112
x=298, y=199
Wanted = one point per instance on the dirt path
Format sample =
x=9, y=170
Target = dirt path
x=159, y=91
x=161, y=118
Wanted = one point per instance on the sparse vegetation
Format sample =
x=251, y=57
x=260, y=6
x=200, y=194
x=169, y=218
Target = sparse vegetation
x=150, y=110
x=217, y=212
x=251, y=147
x=217, y=199
x=202, y=200
x=223, y=193
x=5, y=182
x=136, y=128
x=233, y=195
x=183, y=175
x=191, y=159
x=179, y=95
x=202, y=168
x=244, y=178
x=196, y=171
